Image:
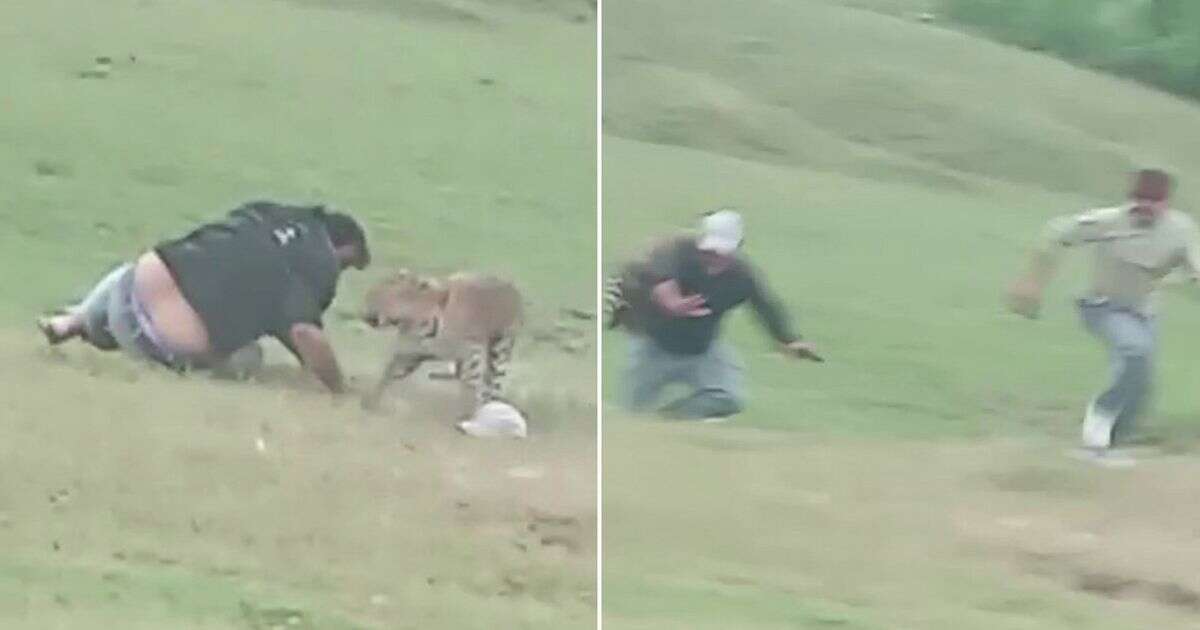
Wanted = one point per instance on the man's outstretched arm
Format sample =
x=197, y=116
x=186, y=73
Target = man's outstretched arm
x=309, y=343
x=774, y=317
x=1025, y=293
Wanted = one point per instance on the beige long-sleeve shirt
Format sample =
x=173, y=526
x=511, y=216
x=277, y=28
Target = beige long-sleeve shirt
x=1130, y=260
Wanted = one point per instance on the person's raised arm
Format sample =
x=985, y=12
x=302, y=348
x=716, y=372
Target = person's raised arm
x=669, y=298
x=663, y=269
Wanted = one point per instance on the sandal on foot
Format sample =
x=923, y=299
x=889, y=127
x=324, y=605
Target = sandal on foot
x=53, y=337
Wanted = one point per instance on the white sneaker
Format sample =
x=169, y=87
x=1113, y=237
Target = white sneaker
x=1097, y=428
x=714, y=420
x=495, y=419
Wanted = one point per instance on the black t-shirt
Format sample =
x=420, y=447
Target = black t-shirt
x=680, y=261
x=261, y=270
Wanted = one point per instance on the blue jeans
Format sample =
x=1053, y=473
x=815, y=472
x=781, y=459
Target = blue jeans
x=95, y=307
x=113, y=318
x=1131, y=339
x=715, y=377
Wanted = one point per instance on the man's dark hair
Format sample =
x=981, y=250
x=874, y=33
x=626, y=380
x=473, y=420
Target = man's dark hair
x=345, y=231
x=342, y=229
x=1152, y=183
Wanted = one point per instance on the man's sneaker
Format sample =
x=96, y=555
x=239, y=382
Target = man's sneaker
x=46, y=324
x=1097, y=427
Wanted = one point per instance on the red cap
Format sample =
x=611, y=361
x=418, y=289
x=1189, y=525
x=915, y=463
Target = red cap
x=1152, y=185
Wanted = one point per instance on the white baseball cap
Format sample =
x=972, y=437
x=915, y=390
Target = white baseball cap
x=721, y=232
x=495, y=419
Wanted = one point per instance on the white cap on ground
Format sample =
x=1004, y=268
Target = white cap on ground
x=495, y=419
x=721, y=232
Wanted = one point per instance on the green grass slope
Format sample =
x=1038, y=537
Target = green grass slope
x=462, y=133
x=423, y=126
x=893, y=174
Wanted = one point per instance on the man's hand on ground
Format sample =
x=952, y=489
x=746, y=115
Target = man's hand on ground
x=1024, y=297
x=803, y=350
x=317, y=356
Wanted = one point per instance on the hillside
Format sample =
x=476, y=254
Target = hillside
x=893, y=174
x=459, y=132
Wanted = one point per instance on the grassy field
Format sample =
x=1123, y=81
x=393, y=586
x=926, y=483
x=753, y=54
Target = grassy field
x=893, y=174
x=462, y=133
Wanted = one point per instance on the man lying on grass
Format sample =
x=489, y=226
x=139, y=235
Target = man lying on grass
x=1135, y=245
x=692, y=282
x=202, y=301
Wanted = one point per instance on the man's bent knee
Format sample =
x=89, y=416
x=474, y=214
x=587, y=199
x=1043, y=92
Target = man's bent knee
x=723, y=403
x=707, y=403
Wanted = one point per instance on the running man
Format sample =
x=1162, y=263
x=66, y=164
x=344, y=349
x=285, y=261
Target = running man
x=202, y=301
x=1135, y=245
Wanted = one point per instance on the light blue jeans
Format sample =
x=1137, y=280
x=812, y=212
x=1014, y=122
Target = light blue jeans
x=715, y=377
x=1131, y=339
x=113, y=318
x=95, y=309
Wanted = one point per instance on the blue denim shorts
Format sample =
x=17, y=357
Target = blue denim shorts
x=133, y=329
